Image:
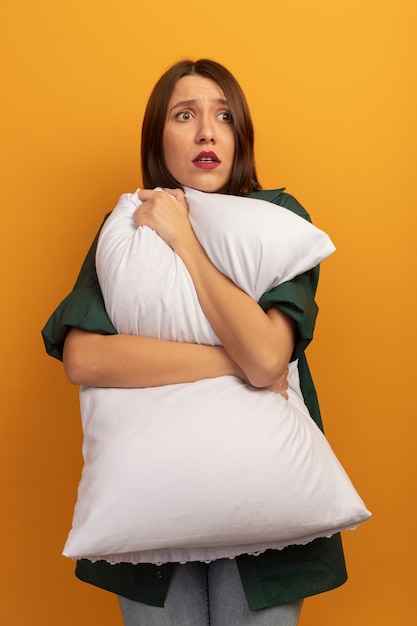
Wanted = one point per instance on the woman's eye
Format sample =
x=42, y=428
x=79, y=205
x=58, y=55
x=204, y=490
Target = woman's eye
x=226, y=116
x=183, y=116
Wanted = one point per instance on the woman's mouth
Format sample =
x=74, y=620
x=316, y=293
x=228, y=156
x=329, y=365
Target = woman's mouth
x=206, y=161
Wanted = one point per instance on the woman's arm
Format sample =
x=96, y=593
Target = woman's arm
x=131, y=361
x=260, y=343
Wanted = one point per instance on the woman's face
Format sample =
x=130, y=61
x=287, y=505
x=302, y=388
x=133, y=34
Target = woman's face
x=198, y=140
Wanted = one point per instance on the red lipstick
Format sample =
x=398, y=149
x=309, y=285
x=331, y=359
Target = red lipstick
x=206, y=160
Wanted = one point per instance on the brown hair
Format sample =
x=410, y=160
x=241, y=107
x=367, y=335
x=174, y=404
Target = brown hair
x=155, y=173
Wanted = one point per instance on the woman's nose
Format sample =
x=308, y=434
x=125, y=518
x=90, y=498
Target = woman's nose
x=205, y=133
x=205, y=138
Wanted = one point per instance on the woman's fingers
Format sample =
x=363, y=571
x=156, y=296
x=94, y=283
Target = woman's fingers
x=178, y=194
x=147, y=194
x=166, y=212
x=281, y=385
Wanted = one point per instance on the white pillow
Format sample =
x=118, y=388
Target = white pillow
x=215, y=468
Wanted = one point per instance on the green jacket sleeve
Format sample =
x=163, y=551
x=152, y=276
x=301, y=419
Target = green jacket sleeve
x=82, y=308
x=295, y=298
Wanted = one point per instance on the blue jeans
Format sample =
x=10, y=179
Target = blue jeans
x=207, y=595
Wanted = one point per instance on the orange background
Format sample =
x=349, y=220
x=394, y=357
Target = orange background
x=332, y=87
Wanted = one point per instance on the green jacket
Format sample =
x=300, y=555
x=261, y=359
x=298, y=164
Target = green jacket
x=271, y=578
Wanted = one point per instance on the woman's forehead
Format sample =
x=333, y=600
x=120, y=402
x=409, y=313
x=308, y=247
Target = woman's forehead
x=195, y=88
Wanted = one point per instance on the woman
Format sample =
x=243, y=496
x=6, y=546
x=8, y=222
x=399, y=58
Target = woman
x=197, y=132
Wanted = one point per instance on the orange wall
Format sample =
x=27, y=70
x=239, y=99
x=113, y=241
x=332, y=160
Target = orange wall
x=332, y=87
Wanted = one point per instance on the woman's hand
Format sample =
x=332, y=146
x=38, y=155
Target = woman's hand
x=281, y=385
x=165, y=212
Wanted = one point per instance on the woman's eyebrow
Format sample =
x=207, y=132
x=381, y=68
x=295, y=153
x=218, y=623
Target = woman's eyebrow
x=187, y=103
